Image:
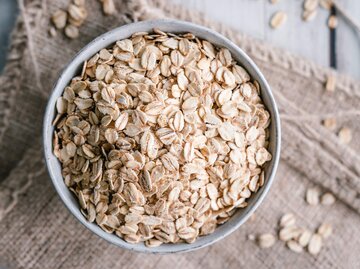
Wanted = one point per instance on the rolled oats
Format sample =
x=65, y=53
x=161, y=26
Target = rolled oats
x=345, y=135
x=289, y=232
x=312, y=196
x=304, y=238
x=287, y=220
x=108, y=7
x=59, y=19
x=333, y=22
x=309, y=15
x=71, y=31
x=266, y=240
x=52, y=31
x=327, y=199
x=330, y=123
x=325, y=230
x=294, y=246
x=158, y=137
x=278, y=19
x=77, y=14
x=70, y=20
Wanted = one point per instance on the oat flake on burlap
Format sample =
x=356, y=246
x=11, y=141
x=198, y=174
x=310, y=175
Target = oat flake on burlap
x=37, y=231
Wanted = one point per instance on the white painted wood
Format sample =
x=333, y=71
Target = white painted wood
x=348, y=40
x=245, y=15
x=307, y=39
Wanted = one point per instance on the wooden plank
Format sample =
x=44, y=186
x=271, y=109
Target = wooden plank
x=348, y=41
x=310, y=39
x=244, y=15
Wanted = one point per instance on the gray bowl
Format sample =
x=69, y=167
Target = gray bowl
x=74, y=67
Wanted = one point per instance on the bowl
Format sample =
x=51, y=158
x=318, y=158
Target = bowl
x=173, y=26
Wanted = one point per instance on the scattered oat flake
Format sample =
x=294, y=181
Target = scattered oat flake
x=330, y=123
x=345, y=135
x=304, y=238
x=315, y=244
x=251, y=237
x=312, y=196
x=77, y=14
x=289, y=232
x=142, y=144
x=327, y=199
x=333, y=22
x=325, y=230
x=311, y=4
x=71, y=31
x=52, y=31
x=330, y=83
x=59, y=19
x=266, y=240
x=287, y=220
x=294, y=246
x=278, y=19
x=326, y=4
x=108, y=7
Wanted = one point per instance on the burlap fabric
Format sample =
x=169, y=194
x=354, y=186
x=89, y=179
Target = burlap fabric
x=37, y=231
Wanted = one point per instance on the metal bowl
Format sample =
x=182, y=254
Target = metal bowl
x=172, y=26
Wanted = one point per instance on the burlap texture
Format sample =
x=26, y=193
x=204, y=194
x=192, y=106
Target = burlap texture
x=37, y=231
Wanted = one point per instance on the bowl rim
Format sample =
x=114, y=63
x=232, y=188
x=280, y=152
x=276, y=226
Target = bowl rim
x=48, y=136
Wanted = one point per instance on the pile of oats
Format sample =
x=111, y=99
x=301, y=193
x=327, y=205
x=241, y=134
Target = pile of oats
x=162, y=137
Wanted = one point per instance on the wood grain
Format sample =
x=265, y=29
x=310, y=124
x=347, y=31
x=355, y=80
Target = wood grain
x=307, y=39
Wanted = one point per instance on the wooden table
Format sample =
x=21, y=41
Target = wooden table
x=308, y=39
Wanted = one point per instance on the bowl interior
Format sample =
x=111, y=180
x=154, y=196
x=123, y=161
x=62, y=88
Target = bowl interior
x=107, y=39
